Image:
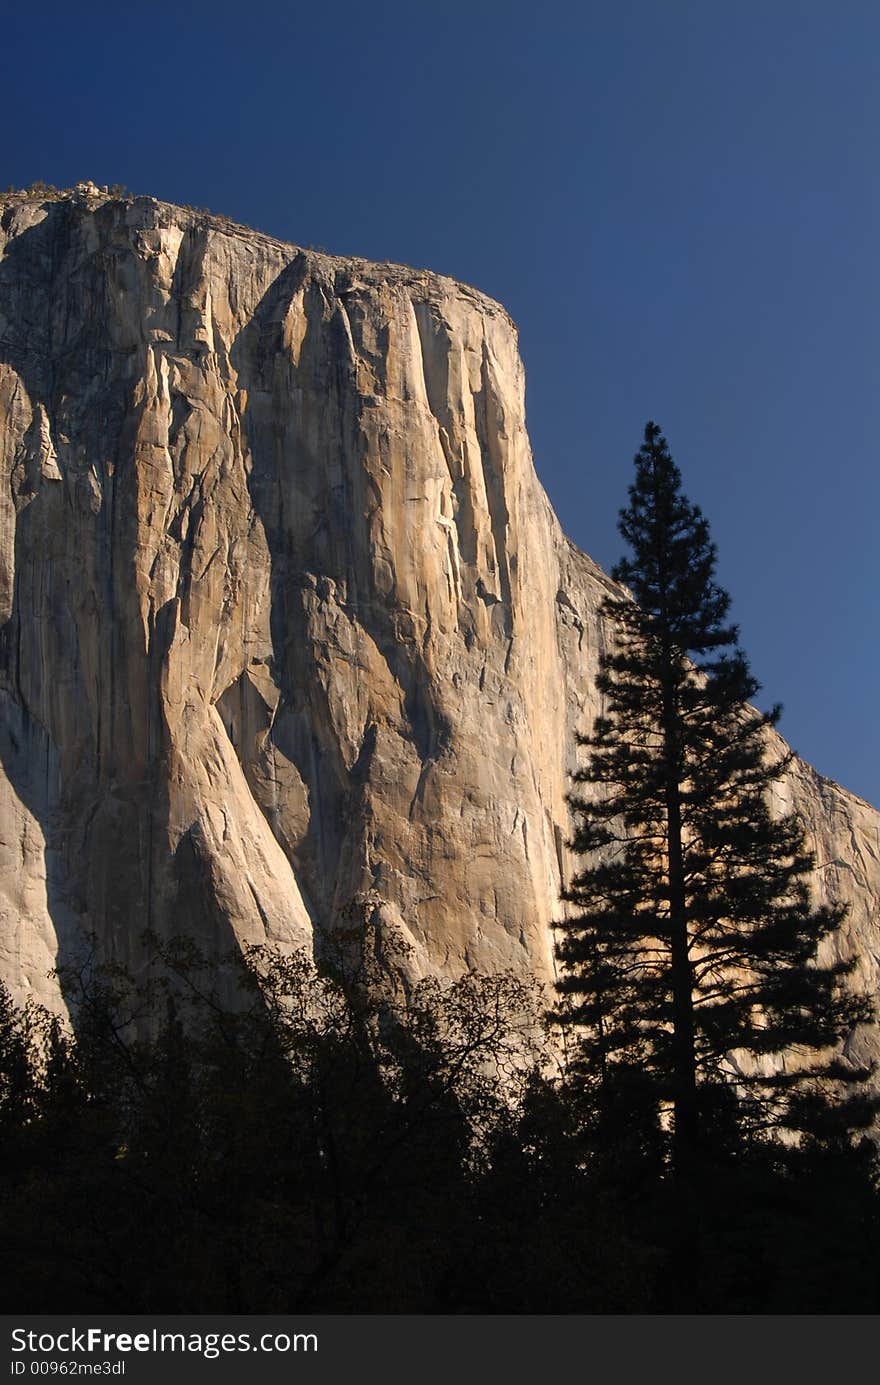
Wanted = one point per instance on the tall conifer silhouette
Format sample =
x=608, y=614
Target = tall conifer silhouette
x=690, y=957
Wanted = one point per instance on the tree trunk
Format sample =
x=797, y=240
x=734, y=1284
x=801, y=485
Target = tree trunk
x=685, y=1132
x=685, y=1135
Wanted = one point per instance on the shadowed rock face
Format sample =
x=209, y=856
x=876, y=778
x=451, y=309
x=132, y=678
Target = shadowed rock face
x=286, y=619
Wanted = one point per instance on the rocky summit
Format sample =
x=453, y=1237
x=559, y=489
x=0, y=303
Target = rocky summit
x=288, y=626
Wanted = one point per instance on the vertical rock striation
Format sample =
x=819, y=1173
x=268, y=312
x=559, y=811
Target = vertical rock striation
x=286, y=619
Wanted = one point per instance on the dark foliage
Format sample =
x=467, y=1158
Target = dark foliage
x=319, y=1148
x=691, y=957
x=308, y=1147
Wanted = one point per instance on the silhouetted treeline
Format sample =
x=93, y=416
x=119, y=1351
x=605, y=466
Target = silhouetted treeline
x=319, y=1146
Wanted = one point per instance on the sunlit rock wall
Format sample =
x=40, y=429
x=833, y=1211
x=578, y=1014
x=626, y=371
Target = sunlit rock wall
x=286, y=619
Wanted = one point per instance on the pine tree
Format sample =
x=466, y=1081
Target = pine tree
x=690, y=959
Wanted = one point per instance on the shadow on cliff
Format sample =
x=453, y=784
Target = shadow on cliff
x=313, y=496
x=29, y=762
x=29, y=755
x=71, y=657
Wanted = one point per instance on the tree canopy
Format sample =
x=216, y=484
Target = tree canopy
x=691, y=955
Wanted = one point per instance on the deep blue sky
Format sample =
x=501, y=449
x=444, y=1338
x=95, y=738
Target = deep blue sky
x=677, y=202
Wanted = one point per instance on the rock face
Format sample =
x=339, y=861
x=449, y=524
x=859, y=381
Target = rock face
x=286, y=619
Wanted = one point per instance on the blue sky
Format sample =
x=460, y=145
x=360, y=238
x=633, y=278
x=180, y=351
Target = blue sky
x=678, y=203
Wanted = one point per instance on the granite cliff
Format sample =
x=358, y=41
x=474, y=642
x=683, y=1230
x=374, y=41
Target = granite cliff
x=286, y=619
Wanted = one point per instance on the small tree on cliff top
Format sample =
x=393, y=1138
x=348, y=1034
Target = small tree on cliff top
x=691, y=959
